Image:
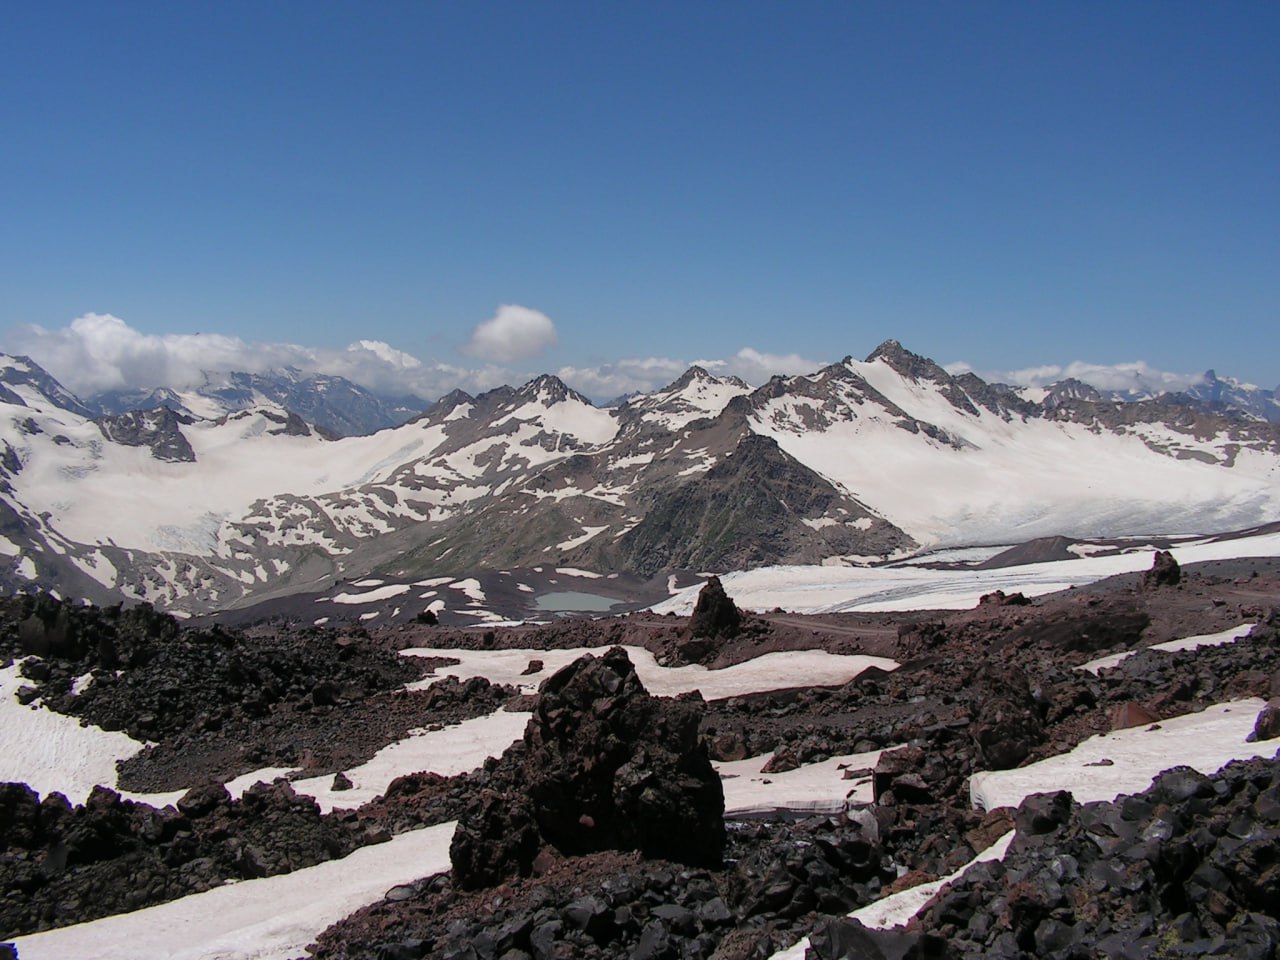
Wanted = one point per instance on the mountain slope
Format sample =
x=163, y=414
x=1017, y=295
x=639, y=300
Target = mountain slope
x=978, y=470
x=857, y=460
x=334, y=404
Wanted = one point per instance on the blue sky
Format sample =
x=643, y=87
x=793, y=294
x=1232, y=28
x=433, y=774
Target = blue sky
x=1005, y=184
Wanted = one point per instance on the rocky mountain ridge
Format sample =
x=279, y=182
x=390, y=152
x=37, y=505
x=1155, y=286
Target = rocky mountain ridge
x=332, y=403
x=856, y=462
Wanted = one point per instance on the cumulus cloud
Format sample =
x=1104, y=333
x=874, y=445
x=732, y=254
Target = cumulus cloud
x=386, y=353
x=646, y=374
x=631, y=375
x=99, y=352
x=512, y=334
x=756, y=367
x=1134, y=377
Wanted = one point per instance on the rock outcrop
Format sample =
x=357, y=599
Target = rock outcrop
x=715, y=614
x=1164, y=571
x=603, y=766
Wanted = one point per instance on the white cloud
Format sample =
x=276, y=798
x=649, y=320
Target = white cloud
x=99, y=352
x=513, y=333
x=386, y=353
x=1136, y=376
x=646, y=374
x=756, y=367
x=631, y=375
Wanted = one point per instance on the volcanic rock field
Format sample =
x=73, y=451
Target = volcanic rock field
x=770, y=806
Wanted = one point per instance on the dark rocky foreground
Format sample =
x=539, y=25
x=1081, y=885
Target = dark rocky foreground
x=64, y=864
x=599, y=835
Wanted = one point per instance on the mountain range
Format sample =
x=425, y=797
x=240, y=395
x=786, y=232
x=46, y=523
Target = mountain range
x=197, y=507
x=333, y=404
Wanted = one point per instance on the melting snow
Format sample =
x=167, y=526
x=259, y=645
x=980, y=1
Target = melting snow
x=273, y=918
x=587, y=534
x=819, y=589
x=773, y=671
x=813, y=788
x=51, y=752
x=371, y=596
x=447, y=752
x=1173, y=646
x=1206, y=741
x=575, y=572
x=470, y=587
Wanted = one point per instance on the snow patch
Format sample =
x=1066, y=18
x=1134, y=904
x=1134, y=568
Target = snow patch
x=811, y=789
x=273, y=918
x=772, y=671
x=50, y=752
x=1206, y=741
x=372, y=596
x=1173, y=646
x=587, y=534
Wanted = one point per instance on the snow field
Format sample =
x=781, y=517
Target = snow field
x=772, y=671
x=1126, y=761
x=1010, y=479
x=810, y=589
x=448, y=752
x=273, y=918
x=51, y=752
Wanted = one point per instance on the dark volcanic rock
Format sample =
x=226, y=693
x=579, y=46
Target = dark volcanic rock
x=1164, y=571
x=715, y=614
x=620, y=769
x=1267, y=726
x=61, y=865
x=603, y=766
x=844, y=938
x=998, y=598
x=1187, y=868
x=160, y=429
x=1006, y=725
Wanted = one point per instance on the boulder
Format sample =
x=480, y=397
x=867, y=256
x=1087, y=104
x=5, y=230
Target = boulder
x=1006, y=720
x=603, y=766
x=998, y=598
x=614, y=768
x=1164, y=571
x=899, y=771
x=1130, y=714
x=1267, y=726
x=715, y=614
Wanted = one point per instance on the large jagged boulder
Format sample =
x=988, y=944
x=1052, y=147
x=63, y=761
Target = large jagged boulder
x=1164, y=571
x=715, y=614
x=1006, y=723
x=614, y=768
x=603, y=766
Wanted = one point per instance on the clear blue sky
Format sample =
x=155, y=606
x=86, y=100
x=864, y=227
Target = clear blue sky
x=1007, y=184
